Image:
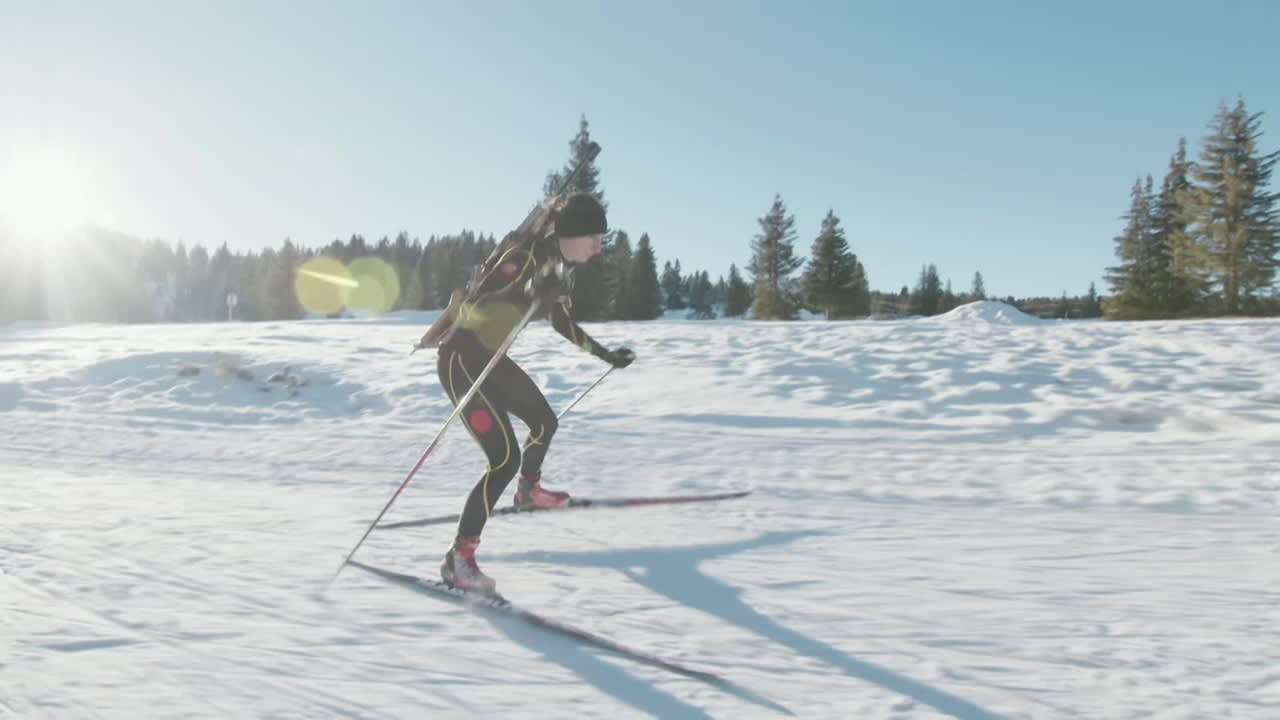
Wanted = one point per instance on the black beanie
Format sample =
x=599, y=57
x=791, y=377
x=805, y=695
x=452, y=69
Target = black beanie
x=581, y=215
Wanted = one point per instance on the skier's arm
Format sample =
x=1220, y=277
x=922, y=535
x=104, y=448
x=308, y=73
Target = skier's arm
x=562, y=320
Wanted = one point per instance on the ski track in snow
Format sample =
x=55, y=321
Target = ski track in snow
x=979, y=515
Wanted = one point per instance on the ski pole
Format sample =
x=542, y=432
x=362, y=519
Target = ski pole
x=584, y=394
x=466, y=398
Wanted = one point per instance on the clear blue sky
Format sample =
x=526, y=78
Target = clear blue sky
x=992, y=136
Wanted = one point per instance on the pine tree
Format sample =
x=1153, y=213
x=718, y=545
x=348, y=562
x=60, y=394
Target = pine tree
x=449, y=264
x=707, y=309
x=182, y=280
x=1132, y=281
x=356, y=248
x=737, y=298
x=243, y=280
x=617, y=262
x=643, y=300
x=414, y=295
x=1234, y=216
x=693, y=290
x=220, y=283
x=829, y=284
x=673, y=287
x=1182, y=282
x=949, y=299
x=426, y=273
x=591, y=294
x=588, y=178
x=445, y=276
x=1063, y=309
x=191, y=299
x=861, y=290
x=276, y=297
x=700, y=295
x=157, y=275
x=1093, y=304
x=403, y=256
x=772, y=263
x=928, y=296
x=978, y=290
x=591, y=298
x=265, y=273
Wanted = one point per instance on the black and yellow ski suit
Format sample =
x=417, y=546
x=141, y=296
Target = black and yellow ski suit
x=483, y=321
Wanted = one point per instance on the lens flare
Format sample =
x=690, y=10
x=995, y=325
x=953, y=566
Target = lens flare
x=323, y=285
x=367, y=286
x=379, y=286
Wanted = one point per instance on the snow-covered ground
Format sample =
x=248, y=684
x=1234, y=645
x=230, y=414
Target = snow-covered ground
x=978, y=515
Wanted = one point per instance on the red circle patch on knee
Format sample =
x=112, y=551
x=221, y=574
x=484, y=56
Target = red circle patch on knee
x=480, y=421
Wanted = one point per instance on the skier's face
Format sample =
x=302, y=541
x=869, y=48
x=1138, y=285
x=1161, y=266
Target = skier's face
x=581, y=248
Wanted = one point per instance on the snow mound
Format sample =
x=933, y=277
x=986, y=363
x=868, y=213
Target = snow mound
x=990, y=311
x=192, y=387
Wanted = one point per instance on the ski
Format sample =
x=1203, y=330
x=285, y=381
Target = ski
x=576, y=503
x=497, y=603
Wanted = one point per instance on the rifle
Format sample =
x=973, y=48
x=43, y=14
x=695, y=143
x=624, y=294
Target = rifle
x=442, y=329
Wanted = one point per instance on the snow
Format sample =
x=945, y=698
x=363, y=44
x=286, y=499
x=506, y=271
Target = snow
x=978, y=515
x=989, y=311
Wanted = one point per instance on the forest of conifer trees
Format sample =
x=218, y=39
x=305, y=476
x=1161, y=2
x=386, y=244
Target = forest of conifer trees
x=1206, y=243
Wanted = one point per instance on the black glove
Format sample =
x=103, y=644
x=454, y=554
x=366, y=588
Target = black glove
x=620, y=358
x=550, y=282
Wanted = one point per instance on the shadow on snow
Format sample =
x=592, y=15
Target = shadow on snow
x=675, y=574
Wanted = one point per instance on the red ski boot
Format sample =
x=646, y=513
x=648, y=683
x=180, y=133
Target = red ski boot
x=530, y=495
x=459, y=568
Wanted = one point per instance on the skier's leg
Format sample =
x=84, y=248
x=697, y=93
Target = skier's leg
x=489, y=423
x=526, y=401
x=487, y=420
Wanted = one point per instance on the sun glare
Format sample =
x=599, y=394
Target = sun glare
x=47, y=200
x=368, y=286
x=44, y=191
